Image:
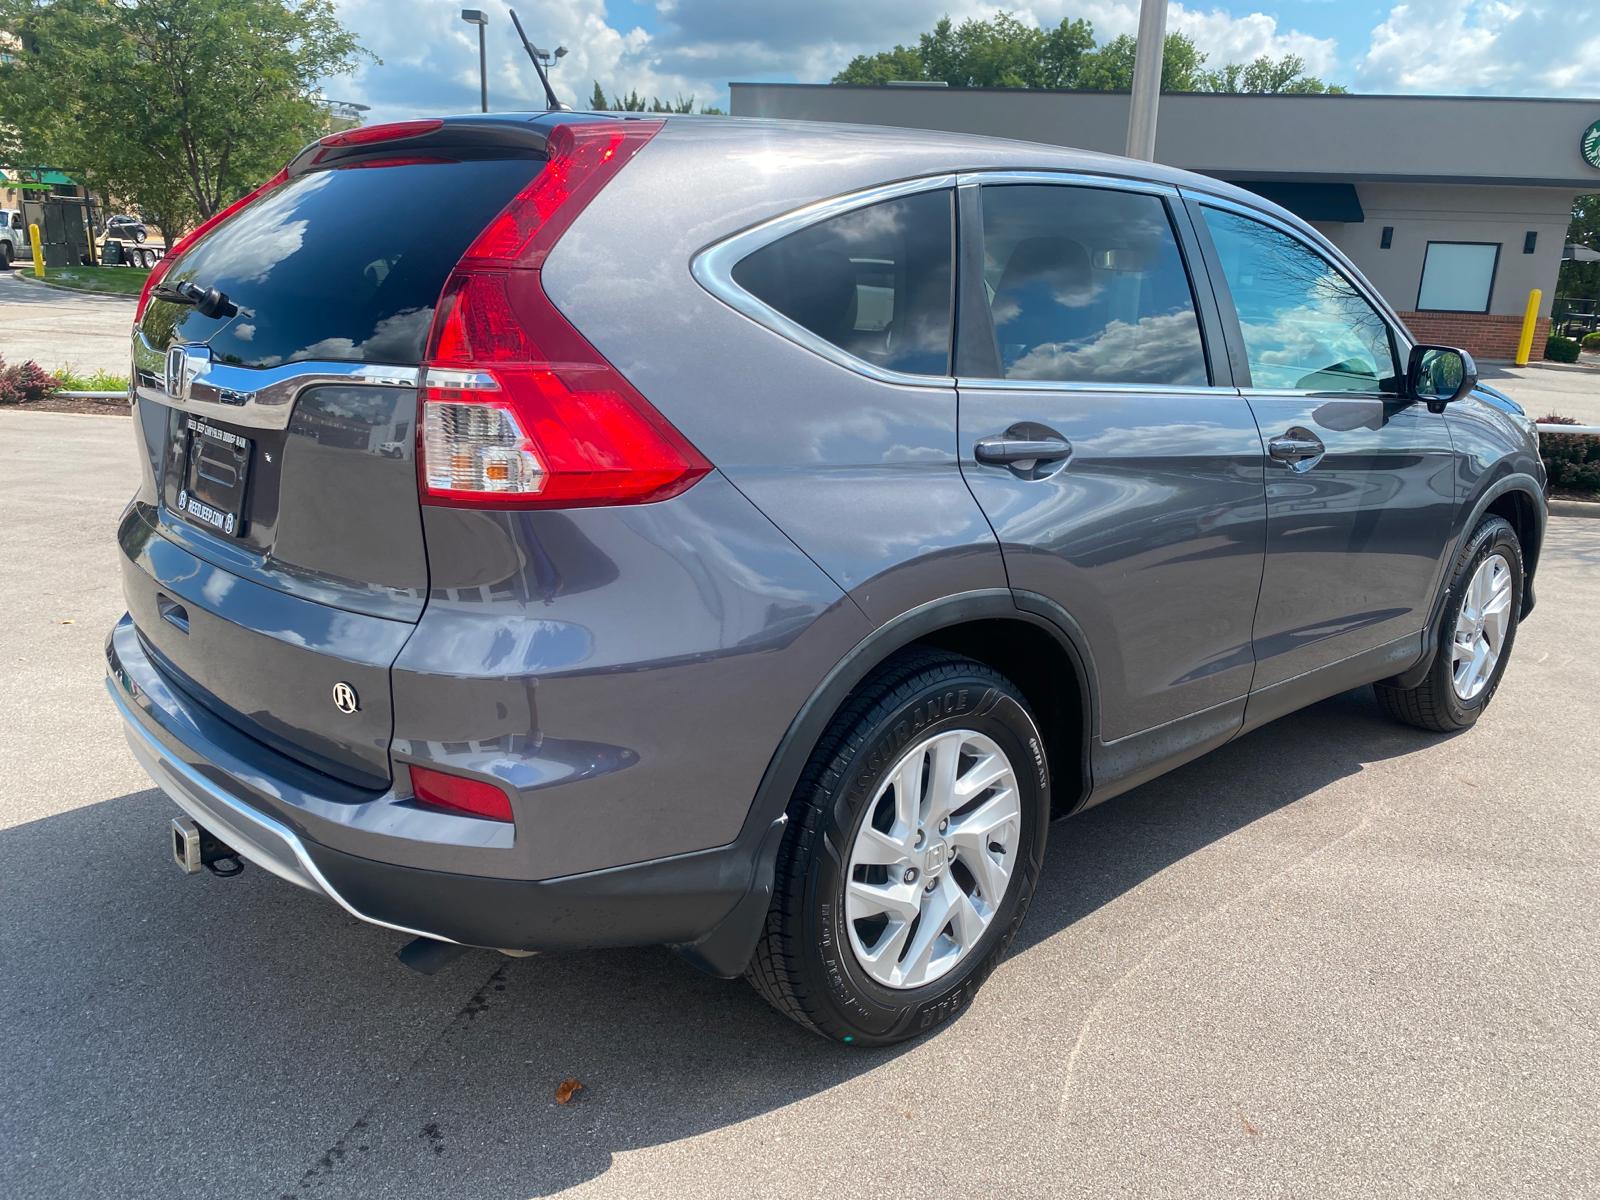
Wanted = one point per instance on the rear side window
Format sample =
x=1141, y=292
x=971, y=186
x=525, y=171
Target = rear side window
x=1087, y=285
x=343, y=265
x=875, y=281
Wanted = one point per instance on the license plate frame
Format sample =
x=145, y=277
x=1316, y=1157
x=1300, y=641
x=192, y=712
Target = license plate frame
x=216, y=476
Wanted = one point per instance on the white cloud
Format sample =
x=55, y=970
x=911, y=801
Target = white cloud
x=430, y=61
x=1482, y=46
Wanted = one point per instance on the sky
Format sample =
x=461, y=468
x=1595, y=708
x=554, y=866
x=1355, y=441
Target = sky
x=696, y=47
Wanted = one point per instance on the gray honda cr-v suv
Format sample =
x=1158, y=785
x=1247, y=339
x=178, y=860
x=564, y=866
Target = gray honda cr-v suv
x=747, y=536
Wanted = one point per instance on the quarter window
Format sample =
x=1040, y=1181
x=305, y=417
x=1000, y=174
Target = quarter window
x=1305, y=326
x=1086, y=285
x=875, y=281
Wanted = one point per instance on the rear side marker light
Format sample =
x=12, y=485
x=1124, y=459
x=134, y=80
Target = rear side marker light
x=460, y=794
x=518, y=409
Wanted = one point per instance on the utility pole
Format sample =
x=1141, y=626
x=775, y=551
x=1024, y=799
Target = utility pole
x=476, y=16
x=1147, y=80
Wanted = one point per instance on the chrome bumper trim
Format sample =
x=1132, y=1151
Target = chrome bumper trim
x=268, y=843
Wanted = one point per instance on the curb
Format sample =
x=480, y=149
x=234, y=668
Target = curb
x=1574, y=508
x=72, y=291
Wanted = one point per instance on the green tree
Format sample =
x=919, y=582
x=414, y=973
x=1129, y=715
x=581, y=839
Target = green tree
x=634, y=102
x=1110, y=68
x=1006, y=51
x=1581, y=280
x=1268, y=76
x=886, y=66
x=177, y=106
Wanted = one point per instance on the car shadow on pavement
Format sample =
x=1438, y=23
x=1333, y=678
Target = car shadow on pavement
x=173, y=1037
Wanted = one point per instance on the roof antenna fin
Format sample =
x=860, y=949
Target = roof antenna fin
x=555, y=105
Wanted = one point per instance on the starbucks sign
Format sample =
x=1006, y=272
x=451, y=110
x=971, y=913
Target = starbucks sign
x=1591, y=145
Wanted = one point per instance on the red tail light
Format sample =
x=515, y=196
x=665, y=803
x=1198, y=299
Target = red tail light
x=461, y=794
x=518, y=409
x=217, y=218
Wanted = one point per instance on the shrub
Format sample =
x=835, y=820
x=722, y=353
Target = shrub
x=1571, y=459
x=25, y=383
x=1560, y=349
x=1591, y=341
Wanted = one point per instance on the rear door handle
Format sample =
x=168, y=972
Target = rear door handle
x=1004, y=449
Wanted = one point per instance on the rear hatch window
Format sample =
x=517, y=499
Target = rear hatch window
x=342, y=265
x=283, y=563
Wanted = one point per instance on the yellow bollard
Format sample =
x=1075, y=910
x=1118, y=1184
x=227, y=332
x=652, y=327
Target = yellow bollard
x=1529, y=319
x=38, y=250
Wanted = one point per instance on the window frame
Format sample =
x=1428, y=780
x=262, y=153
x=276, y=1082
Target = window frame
x=1400, y=342
x=713, y=268
x=1494, y=275
x=977, y=352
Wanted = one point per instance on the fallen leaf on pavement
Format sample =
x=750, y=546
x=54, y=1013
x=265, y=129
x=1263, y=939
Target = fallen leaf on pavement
x=566, y=1090
x=1249, y=1128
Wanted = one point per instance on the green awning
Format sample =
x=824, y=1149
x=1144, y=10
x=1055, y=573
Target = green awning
x=42, y=175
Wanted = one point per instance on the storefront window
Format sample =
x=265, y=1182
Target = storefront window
x=1458, y=276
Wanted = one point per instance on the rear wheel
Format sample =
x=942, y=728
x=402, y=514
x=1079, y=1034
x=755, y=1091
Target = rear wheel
x=1475, y=637
x=913, y=846
x=5, y=256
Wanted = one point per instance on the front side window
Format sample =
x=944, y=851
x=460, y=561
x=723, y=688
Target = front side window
x=1086, y=285
x=875, y=281
x=1305, y=326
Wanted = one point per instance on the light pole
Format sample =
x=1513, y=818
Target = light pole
x=1147, y=80
x=475, y=16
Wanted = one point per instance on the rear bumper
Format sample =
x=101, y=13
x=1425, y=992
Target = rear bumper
x=707, y=903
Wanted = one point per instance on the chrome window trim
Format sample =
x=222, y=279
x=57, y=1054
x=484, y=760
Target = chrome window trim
x=269, y=392
x=1079, y=385
x=713, y=267
x=1321, y=248
x=1117, y=183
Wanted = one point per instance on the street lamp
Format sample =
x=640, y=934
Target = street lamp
x=476, y=16
x=549, y=57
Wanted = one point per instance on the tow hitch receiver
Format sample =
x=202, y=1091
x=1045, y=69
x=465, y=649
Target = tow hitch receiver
x=194, y=847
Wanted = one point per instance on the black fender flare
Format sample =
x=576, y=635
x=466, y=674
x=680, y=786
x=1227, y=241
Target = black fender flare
x=1516, y=481
x=727, y=948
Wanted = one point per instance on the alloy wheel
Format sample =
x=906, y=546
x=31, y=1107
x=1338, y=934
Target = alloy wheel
x=1481, y=627
x=931, y=861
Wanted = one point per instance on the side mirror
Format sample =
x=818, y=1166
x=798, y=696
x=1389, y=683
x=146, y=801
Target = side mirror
x=1440, y=375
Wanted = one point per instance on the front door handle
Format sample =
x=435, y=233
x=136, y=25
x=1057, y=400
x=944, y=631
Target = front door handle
x=1004, y=449
x=1298, y=448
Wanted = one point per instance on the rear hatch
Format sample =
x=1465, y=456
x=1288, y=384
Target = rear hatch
x=274, y=559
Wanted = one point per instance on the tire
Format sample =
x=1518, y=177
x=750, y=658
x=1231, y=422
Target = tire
x=5, y=256
x=1438, y=703
x=806, y=964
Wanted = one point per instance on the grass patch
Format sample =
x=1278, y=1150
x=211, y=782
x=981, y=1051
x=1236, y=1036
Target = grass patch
x=111, y=281
x=73, y=380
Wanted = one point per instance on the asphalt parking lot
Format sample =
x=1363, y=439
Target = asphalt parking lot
x=57, y=328
x=1336, y=958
